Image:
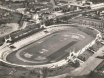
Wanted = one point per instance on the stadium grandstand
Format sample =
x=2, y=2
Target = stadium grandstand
x=20, y=34
x=41, y=36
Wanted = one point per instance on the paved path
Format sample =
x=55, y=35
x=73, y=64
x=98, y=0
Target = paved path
x=86, y=67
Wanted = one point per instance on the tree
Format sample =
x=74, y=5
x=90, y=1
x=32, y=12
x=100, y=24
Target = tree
x=75, y=64
x=45, y=72
x=22, y=77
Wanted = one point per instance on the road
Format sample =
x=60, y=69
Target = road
x=90, y=64
x=86, y=67
x=11, y=10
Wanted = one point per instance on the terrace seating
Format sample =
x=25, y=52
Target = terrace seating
x=2, y=40
x=88, y=31
x=23, y=33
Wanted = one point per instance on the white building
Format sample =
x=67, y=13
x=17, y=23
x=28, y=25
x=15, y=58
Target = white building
x=35, y=17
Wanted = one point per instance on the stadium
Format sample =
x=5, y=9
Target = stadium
x=49, y=47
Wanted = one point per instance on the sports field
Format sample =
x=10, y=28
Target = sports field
x=51, y=48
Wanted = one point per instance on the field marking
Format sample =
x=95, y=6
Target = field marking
x=24, y=60
x=43, y=51
x=40, y=58
x=27, y=55
x=40, y=42
x=74, y=36
x=65, y=35
x=79, y=35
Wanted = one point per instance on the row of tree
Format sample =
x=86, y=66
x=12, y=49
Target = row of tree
x=96, y=1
